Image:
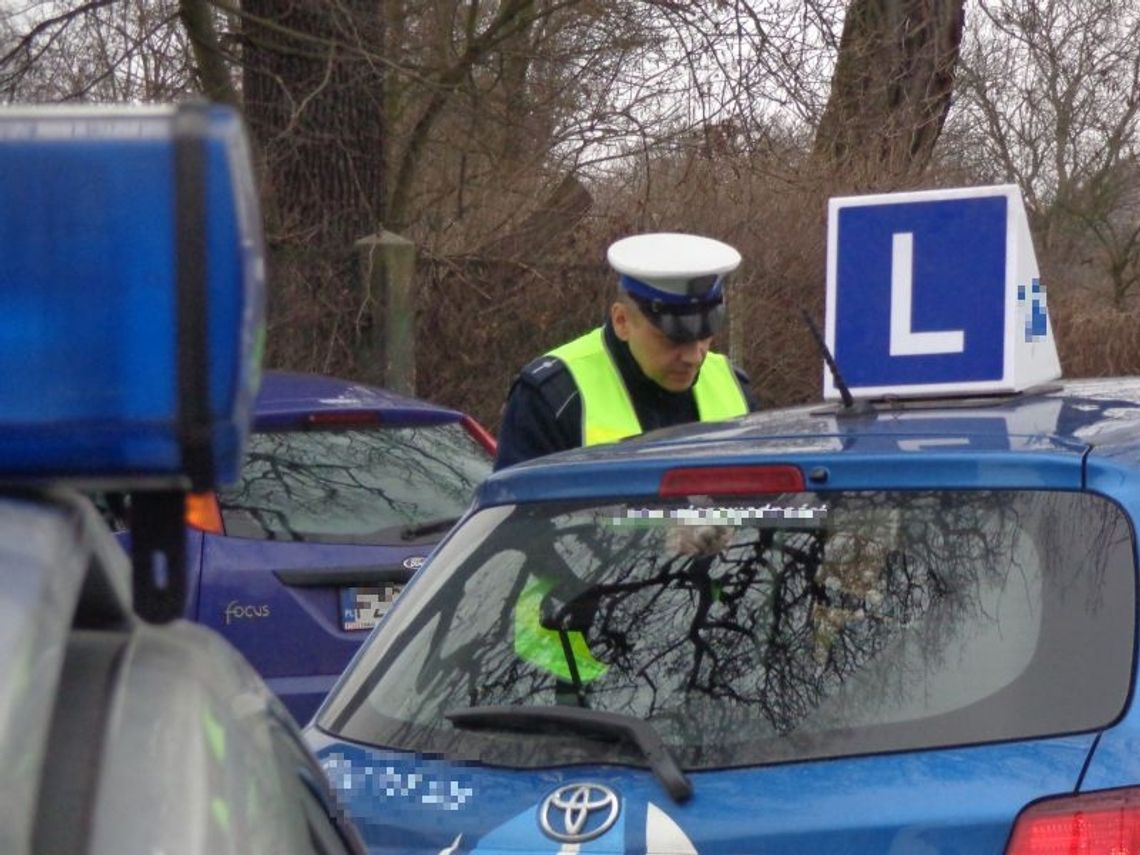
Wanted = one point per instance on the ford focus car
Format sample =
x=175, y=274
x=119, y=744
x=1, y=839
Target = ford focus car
x=883, y=623
x=343, y=491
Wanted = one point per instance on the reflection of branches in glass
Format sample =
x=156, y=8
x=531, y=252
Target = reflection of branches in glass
x=1086, y=539
x=352, y=485
x=889, y=609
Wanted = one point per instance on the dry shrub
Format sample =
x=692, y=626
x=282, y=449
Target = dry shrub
x=479, y=322
x=1096, y=331
x=761, y=203
x=1093, y=338
x=782, y=279
x=315, y=317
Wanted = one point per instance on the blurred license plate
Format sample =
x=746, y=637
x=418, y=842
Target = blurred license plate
x=362, y=608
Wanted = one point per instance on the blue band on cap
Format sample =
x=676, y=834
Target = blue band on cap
x=648, y=292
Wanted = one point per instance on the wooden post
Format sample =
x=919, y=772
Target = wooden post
x=387, y=267
x=735, y=333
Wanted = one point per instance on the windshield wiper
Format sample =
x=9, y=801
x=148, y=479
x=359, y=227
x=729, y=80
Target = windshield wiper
x=586, y=722
x=411, y=532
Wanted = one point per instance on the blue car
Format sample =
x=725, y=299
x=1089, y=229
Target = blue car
x=344, y=490
x=898, y=623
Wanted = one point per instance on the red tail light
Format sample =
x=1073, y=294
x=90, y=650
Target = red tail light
x=203, y=513
x=481, y=434
x=731, y=480
x=1105, y=823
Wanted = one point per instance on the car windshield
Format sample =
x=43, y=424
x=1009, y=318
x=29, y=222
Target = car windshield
x=386, y=485
x=789, y=627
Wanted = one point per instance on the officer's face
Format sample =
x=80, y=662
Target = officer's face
x=670, y=364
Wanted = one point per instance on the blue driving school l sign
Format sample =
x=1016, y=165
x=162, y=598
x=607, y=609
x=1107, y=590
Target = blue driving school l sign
x=935, y=292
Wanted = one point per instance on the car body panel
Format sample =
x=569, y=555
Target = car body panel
x=1113, y=762
x=1076, y=436
x=248, y=589
x=950, y=801
x=291, y=632
x=42, y=573
x=847, y=471
x=178, y=728
x=1025, y=441
x=230, y=793
x=286, y=397
x=195, y=543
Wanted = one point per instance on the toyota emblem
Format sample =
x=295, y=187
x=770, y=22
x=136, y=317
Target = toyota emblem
x=414, y=562
x=576, y=813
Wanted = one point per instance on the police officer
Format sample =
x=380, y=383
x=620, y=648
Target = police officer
x=649, y=366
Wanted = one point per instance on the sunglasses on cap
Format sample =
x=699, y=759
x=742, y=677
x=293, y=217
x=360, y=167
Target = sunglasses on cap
x=683, y=322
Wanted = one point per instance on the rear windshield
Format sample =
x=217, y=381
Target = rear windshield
x=374, y=486
x=792, y=627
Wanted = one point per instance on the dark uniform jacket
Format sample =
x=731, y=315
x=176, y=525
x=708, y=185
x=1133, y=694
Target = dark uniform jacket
x=544, y=408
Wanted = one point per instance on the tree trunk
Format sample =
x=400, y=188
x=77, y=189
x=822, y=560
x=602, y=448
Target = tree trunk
x=891, y=89
x=213, y=71
x=313, y=85
x=314, y=99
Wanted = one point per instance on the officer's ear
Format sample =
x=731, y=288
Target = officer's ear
x=620, y=313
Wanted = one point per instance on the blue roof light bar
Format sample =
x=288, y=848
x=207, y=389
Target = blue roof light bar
x=132, y=289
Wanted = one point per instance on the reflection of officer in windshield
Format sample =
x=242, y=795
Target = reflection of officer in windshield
x=549, y=625
x=555, y=611
x=648, y=367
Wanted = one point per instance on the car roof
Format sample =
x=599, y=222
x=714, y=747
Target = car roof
x=286, y=396
x=1068, y=419
x=1072, y=415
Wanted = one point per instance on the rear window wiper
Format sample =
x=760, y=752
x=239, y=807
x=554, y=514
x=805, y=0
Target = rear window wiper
x=586, y=722
x=411, y=532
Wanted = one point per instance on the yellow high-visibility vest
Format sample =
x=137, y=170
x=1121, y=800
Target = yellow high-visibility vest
x=607, y=411
x=544, y=647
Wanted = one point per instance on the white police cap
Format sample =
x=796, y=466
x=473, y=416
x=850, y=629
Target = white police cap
x=677, y=280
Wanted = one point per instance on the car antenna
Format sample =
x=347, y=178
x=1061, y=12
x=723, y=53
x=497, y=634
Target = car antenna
x=849, y=402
